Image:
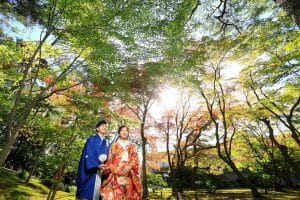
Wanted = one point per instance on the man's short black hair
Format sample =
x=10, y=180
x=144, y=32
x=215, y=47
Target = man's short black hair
x=101, y=122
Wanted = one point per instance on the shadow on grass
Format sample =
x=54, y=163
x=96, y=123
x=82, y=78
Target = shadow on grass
x=16, y=195
x=41, y=189
x=234, y=193
x=12, y=188
x=8, y=179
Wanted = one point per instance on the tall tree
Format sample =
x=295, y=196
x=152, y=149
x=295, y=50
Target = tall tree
x=266, y=153
x=138, y=91
x=292, y=7
x=263, y=116
x=182, y=128
x=219, y=101
x=37, y=79
x=272, y=73
x=231, y=17
x=116, y=31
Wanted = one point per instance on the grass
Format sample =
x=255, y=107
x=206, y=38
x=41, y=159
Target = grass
x=235, y=193
x=11, y=187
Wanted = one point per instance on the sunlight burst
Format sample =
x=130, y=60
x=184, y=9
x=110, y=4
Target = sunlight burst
x=169, y=97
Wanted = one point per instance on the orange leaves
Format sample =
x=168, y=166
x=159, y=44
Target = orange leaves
x=96, y=92
x=136, y=78
x=216, y=115
x=123, y=110
x=48, y=79
x=59, y=99
x=154, y=158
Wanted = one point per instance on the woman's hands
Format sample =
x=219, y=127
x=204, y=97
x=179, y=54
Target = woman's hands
x=104, y=168
x=122, y=170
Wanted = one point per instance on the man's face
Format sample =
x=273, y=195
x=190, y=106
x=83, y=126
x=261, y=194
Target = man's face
x=102, y=129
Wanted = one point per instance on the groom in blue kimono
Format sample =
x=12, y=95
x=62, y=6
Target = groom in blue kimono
x=89, y=175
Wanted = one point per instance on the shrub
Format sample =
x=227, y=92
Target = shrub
x=156, y=181
x=48, y=182
x=72, y=189
x=208, y=181
x=23, y=175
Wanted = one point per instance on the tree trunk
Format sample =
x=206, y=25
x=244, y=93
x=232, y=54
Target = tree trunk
x=144, y=167
x=173, y=182
x=294, y=131
x=276, y=181
x=53, y=190
x=7, y=148
x=181, y=178
x=255, y=192
x=292, y=7
x=287, y=178
x=58, y=177
x=61, y=169
x=13, y=131
x=244, y=180
x=37, y=160
x=195, y=168
x=32, y=170
x=227, y=159
x=283, y=149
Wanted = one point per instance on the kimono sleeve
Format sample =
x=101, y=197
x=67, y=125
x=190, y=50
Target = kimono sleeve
x=91, y=160
x=134, y=159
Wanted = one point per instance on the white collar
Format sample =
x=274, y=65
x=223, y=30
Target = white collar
x=123, y=143
x=102, y=137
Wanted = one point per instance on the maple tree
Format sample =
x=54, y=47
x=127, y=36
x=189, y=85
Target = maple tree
x=182, y=129
x=108, y=60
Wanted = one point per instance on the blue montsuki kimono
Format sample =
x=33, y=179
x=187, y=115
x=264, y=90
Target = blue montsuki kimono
x=88, y=181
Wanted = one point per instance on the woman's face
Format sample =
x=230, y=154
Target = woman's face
x=124, y=133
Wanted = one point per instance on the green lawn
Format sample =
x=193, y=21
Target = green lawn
x=236, y=193
x=11, y=187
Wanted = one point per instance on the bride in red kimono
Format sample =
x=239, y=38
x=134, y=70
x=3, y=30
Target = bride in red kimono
x=123, y=182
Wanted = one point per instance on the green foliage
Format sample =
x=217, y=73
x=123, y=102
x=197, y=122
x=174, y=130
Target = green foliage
x=10, y=55
x=209, y=181
x=125, y=50
x=269, y=56
x=23, y=175
x=156, y=181
x=26, y=11
x=217, y=19
x=11, y=187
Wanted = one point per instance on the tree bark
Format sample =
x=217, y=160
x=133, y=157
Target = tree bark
x=292, y=7
x=61, y=169
x=144, y=167
x=14, y=127
x=7, y=148
x=283, y=149
x=227, y=156
x=181, y=177
x=55, y=185
x=287, y=178
x=37, y=159
x=244, y=180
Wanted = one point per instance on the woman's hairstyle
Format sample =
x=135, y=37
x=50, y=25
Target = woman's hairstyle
x=119, y=130
x=101, y=122
x=121, y=127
